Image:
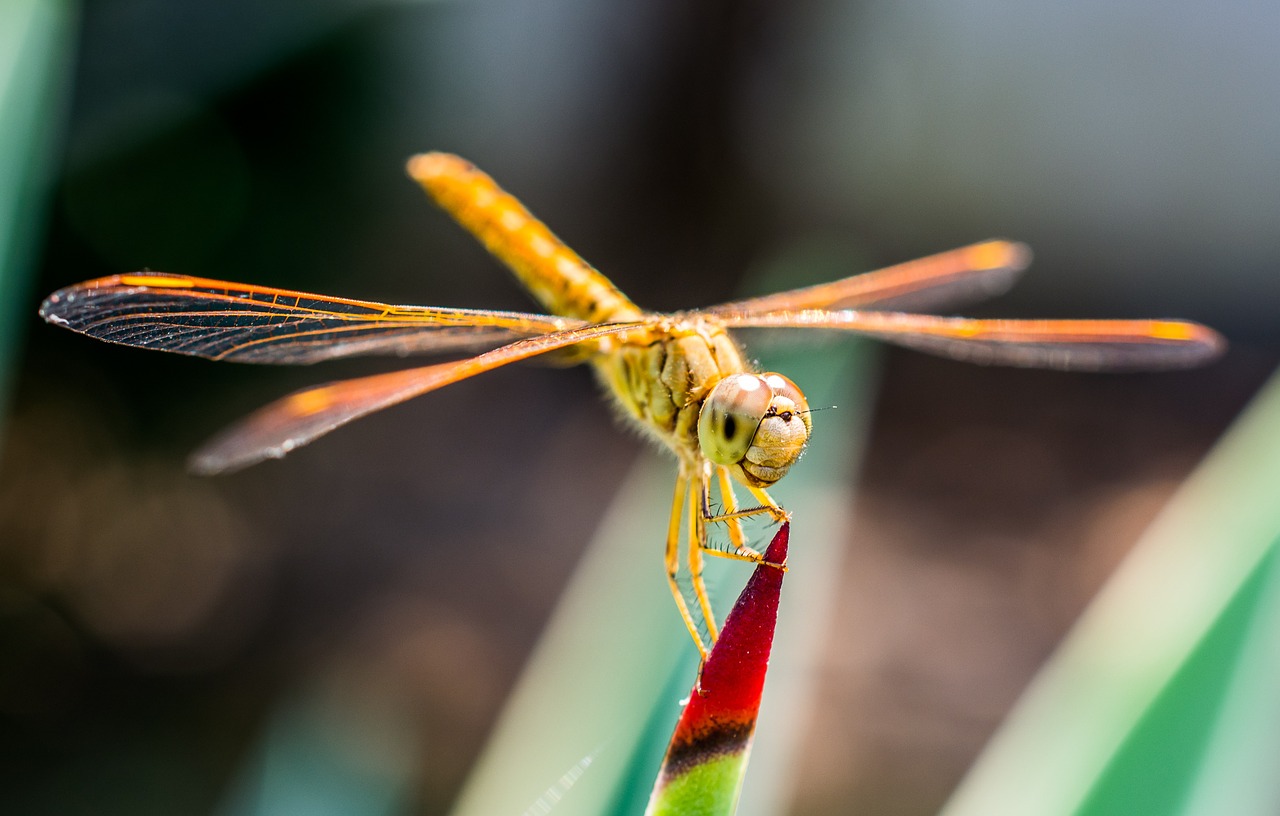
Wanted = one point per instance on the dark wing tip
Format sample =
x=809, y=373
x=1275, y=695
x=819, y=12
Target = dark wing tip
x=1020, y=255
x=1208, y=344
x=49, y=310
x=67, y=306
x=1000, y=253
x=64, y=307
x=217, y=459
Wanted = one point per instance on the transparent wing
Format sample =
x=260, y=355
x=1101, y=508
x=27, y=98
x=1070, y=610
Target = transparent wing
x=294, y=421
x=1078, y=345
x=260, y=324
x=949, y=278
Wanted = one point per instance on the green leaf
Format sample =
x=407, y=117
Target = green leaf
x=34, y=62
x=1162, y=700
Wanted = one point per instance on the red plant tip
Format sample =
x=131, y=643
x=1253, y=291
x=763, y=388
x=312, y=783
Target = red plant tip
x=720, y=717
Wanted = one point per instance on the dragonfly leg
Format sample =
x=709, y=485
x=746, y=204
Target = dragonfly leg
x=673, y=561
x=732, y=518
x=736, y=535
x=768, y=505
x=697, y=544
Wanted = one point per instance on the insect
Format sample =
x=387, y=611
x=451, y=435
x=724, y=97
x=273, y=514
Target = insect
x=680, y=377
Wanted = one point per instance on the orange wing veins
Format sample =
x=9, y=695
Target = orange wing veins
x=969, y=273
x=1079, y=345
x=257, y=324
x=295, y=420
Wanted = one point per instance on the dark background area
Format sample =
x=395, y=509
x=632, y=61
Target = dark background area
x=152, y=624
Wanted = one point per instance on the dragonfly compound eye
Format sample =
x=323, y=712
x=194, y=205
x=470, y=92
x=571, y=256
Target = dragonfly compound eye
x=730, y=416
x=781, y=436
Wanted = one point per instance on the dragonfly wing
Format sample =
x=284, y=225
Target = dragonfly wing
x=1078, y=345
x=294, y=421
x=257, y=324
x=949, y=278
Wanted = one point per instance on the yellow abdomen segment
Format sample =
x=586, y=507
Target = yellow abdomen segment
x=555, y=275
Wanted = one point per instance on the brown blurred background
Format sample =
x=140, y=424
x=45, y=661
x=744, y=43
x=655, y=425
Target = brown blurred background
x=154, y=625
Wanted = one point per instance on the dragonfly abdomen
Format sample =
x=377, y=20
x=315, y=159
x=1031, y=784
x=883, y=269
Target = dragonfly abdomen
x=562, y=281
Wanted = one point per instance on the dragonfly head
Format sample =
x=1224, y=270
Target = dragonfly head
x=756, y=425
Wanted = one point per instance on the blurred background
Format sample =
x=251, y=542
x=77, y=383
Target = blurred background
x=162, y=636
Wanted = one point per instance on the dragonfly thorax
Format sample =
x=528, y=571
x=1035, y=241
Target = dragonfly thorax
x=757, y=425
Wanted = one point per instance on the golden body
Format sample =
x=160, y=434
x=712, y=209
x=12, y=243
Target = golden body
x=680, y=377
x=659, y=373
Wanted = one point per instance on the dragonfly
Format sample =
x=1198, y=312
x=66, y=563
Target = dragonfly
x=680, y=377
